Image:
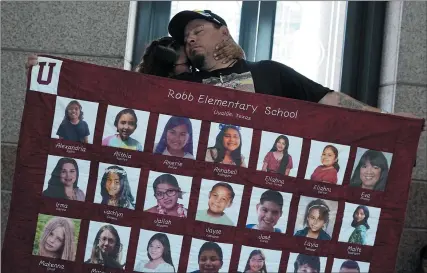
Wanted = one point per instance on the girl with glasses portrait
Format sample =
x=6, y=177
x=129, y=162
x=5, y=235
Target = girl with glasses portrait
x=167, y=192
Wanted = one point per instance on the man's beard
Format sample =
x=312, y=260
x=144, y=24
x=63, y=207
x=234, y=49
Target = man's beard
x=198, y=61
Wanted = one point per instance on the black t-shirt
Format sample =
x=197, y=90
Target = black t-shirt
x=69, y=131
x=265, y=77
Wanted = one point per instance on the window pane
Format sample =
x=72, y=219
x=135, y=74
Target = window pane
x=309, y=36
x=228, y=10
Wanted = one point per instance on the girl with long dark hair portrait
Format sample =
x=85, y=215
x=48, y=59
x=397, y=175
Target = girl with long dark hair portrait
x=360, y=224
x=278, y=160
x=328, y=171
x=256, y=262
x=57, y=239
x=176, y=139
x=316, y=219
x=126, y=122
x=63, y=182
x=115, y=189
x=159, y=255
x=73, y=127
x=107, y=248
x=167, y=192
x=371, y=172
x=228, y=147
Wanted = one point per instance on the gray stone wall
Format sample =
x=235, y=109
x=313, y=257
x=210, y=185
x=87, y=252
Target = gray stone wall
x=96, y=32
x=92, y=32
x=404, y=89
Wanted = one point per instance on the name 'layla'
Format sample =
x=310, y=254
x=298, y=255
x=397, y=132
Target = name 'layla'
x=311, y=244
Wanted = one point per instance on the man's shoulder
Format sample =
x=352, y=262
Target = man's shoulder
x=266, y=64
x=189, y=77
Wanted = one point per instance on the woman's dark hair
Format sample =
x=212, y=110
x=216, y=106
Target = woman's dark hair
x=112, y=259
x=364, y=222
x=253, y=253
x=126, y=111
x=236, y=155
x=125, y=197
x=285, y=158
x=227, y=186
x=211, y=246
x=159, y=57
x=321, y=206
x=312, y=261
x=335, y=151
x=55, y=188
x=375, y=158
x=163, y=239
x=167, y=179
x=66, y=117
x=172, y=123
x=349, y=264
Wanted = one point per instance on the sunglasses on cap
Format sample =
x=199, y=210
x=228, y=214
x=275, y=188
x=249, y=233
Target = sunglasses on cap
x=208, y=13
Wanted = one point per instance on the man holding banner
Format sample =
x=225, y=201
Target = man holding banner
x=200, y=31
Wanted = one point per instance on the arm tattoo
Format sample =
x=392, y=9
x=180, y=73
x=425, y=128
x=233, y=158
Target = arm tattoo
x=349, y=102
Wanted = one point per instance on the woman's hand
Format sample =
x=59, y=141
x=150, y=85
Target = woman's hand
x=32, y=60
x=228, y=50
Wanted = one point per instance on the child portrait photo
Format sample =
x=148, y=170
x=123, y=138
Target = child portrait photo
x=125, y=128
x=56, y=237
x=208, y=256
x=359, y=225
x=229, y=144
x=117, y=185
x=349, y=266
x=371, y=169
x=279, y=153
x=168, y=194
x=107, y=245
x=260, y=260
x=177, y=136
x=327, y=162
x=303, y=263
x=74, y=120
x=219, y=202
x=66, y=178
x=316, y=218
x=158, y=252
x=268, y=210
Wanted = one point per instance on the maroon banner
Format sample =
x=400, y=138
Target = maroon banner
x=122, y=172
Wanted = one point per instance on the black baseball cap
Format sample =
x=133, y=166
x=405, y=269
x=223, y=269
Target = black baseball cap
x=180, y=20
